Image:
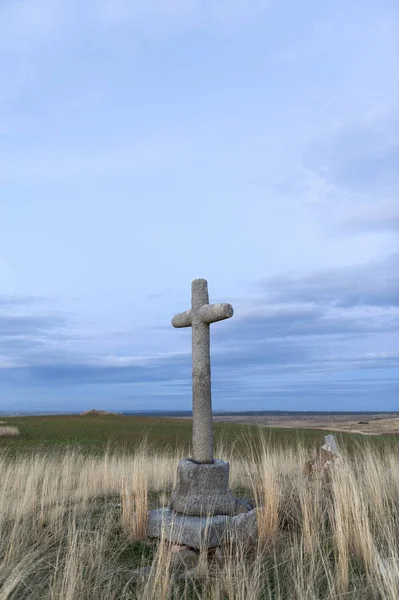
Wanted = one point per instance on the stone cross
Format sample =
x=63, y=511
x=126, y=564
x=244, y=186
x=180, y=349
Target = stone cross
x=199, y=317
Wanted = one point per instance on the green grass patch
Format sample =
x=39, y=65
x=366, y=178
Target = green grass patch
x=135, y=554
x=92, y=434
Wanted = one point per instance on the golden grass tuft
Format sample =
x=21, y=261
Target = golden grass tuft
x=9, y=431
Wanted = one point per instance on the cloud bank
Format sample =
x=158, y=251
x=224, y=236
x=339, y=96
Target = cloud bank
x=340, y=326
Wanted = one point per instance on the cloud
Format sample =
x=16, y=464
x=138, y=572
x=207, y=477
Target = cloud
x=13, y=300
x=11, y=325
x=375, y=284
x=349, y=176
x=301, y=321
x=362, y=157
x=302, y=326
x=29, y=331
x=374, y=216
x=277, y=361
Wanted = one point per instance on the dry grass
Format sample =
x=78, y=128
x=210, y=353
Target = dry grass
x=8, y=431
x=68, y=530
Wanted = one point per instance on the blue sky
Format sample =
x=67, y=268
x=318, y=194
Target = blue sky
x=144, y=144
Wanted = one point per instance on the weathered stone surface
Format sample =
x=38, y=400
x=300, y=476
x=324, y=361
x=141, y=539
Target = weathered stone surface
x=203, y=532
x=244, y=528
x=202, y=489
x=199, y=317
x=185, y=559
x=195, y=532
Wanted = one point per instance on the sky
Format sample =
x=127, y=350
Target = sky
x=253, y=143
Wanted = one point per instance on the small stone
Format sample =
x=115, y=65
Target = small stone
x=329, y=441
x=328, y=457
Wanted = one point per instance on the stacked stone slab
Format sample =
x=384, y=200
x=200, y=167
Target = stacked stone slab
x=203, y=489
x=202, y=511
x=202, y=532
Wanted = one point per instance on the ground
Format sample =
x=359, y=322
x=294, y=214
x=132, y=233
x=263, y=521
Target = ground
x=363, y=423
x=73, y=516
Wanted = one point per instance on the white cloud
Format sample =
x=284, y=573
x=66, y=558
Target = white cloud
x=316, y=190
x=358, y=156
x=131, y=361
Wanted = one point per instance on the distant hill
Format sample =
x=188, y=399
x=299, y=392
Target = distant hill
x=90, y=413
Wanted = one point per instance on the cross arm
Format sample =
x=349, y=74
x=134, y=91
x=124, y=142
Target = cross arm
x=183, y=319
x=210, y=313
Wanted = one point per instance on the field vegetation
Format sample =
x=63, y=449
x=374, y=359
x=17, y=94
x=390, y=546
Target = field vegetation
x=74, y=495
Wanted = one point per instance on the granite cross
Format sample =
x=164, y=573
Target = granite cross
x=199, y=317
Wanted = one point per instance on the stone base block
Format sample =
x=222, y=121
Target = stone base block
x=196, y=532
x=202, y=532
x=203, y=489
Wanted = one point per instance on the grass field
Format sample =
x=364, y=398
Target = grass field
x=75, y=491
x=89, y=434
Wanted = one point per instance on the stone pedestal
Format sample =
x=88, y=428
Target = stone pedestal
x=203, y=489
x=203, y=513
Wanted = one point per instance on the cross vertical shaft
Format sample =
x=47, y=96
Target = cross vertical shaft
x=202, y=403
x=199, y=317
